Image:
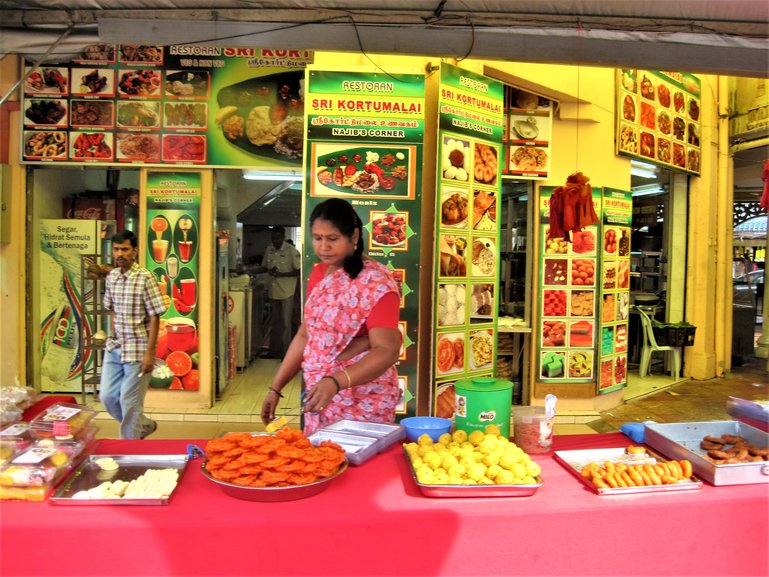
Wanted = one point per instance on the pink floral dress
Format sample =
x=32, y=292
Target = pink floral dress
x=334, y=313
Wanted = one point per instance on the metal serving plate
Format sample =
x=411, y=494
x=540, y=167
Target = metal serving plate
x=682, y=441
x=454, y=491
x=89, y=475
x=574, y=461
x=360, y=440
x=274, y=494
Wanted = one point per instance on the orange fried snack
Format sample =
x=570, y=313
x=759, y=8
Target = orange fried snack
x=284, y=459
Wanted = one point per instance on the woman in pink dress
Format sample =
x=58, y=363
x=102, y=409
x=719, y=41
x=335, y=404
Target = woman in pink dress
x=349, y=341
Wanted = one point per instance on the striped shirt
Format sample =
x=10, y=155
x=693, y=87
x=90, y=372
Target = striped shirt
x=133, y=298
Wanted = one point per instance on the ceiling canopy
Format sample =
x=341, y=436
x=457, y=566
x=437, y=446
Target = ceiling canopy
x=705, y=36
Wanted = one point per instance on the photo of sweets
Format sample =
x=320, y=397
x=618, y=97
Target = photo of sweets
x=451, y=304
x=482, y=302
x=455, y=159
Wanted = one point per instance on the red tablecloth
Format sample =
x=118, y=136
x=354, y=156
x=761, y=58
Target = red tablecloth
x=373, y=521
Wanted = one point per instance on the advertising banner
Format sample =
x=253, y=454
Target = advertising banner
x=615, y=289
x=155, y=105
x=63, y=242
x=529, y=135
x=568, y=285
x=365, y=134
x=471, y=125
x=658, y=118
x=172, y=244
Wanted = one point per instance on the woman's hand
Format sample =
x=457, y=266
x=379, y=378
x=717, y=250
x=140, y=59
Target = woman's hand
x=268, y=407
x=320, y=396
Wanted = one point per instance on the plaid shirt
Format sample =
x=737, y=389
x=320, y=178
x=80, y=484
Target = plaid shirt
x=133, y=298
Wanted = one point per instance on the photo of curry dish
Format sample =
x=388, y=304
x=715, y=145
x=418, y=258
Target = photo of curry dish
x=264, y=115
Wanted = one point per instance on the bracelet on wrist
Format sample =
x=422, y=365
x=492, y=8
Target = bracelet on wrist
x=349, y=380
x=276, y=391
x=335, y=381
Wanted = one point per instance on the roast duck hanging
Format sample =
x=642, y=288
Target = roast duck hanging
x=571, y=207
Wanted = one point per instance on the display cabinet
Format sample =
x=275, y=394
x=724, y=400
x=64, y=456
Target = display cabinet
x=514, y=326
x=94, y=317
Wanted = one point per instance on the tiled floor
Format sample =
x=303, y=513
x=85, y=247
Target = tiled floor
x=692, y=400
x=658, y=398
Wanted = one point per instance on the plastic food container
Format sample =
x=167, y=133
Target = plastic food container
x=73, y=448
x=532, y=429
x=17, y=436
x=35, y=467
x=62, y=420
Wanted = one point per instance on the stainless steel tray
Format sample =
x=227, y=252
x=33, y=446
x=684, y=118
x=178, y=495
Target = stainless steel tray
x=682, y=441
x=359, y=439
x=454, y=491
x=89, y=475
x=273, y=494
x=574, y=461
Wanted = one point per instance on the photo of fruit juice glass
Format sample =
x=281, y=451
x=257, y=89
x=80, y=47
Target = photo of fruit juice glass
x=159, y=250
x=172, y=265
x=185, y=250
x=189, y=291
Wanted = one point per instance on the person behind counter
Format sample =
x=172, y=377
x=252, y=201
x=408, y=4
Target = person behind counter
x=133, y=299
x=283, y=262
x=349, y=341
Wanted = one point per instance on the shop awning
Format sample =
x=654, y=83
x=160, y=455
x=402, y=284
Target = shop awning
x=706, y=36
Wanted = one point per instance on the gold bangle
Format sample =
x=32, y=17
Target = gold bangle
x=349, y=380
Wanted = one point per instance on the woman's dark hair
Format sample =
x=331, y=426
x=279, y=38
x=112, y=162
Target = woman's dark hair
x=125, y=235
x=342, y=215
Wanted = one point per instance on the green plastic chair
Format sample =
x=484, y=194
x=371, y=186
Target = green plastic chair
x=650, y=346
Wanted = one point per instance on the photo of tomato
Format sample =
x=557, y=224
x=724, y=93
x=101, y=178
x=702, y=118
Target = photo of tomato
x=450, y=354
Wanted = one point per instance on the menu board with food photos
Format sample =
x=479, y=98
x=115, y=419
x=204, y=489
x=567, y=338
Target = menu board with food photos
x=617, y=218
x=156, y=105
x=528, y=142
x=467, y=231
x=658, y=118
x=172, y=253
x=569, y=283
x=364, y=144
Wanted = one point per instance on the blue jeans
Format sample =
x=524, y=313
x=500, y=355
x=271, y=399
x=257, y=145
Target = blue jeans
x=122, y=392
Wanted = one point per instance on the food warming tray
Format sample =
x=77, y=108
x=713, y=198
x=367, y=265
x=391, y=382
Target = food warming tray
x=682, y=441
x=89, y=475
x=473, y=490
x=574, y=461
x=359, y=439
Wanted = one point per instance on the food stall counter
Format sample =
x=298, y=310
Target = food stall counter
x=373, y=520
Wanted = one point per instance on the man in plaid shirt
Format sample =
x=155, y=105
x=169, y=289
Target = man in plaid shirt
x=135, y=304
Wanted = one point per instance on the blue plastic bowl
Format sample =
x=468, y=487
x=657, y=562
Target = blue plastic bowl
x=434, y=427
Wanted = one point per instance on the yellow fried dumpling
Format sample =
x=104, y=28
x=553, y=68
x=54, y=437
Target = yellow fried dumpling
x=445, y=439
x=476, y=437
x=424, y=439
x=460, y=436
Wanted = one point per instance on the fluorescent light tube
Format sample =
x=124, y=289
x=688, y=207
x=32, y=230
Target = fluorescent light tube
x=272, y=175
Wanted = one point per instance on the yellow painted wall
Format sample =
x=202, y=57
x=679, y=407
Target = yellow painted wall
x=583, y=136
x=12, y=254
